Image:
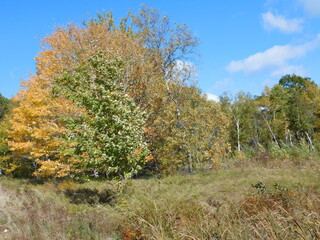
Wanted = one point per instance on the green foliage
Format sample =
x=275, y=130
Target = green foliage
x=302, y=152
x=241, y=110
x=108, y=135
x=4, y=106
x=284, y=120
x=278, y=153
x=301, y=105
x=294, y=82
x=4, y=149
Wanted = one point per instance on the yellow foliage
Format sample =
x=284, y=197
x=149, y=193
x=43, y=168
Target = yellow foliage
x=36, y=125
x=50, y=168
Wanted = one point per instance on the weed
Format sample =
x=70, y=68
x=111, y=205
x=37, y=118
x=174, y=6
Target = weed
x=267, y=198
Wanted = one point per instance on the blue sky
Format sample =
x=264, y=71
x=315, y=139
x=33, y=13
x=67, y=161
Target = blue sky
x=245, y=45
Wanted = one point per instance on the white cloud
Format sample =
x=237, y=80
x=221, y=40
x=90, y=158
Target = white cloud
x=271, y=21
x=311, y=6
x=289, y=69
x=276, y=57
x=212, y=97
x=284, y=70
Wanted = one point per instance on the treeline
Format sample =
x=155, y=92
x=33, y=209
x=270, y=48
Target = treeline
x=119, y=100
x=284, y=121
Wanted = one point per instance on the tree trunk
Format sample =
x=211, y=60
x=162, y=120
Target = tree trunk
x=270, y=129
x=238, y=134
x=290, y=138
x=309, y=140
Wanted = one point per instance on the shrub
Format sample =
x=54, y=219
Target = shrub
x=278, y=153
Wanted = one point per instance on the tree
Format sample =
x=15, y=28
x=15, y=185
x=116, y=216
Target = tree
x=279, y=98
x=302, y=105
x=206, y=133
x=6, y=106
x=241, y=111
x=158, y=74
x=38, y=124
x=36, y=130
x=268, y=115
x=108, y=136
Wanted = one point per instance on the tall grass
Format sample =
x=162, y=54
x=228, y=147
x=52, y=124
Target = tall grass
x=212, y=207
x=42, y=212
x=231, y=204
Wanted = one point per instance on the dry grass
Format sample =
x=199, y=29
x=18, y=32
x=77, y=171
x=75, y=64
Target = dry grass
x=215, y=205
x=224, y=205
x=42, y=212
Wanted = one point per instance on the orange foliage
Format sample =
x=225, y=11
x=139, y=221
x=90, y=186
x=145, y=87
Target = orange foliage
x=36, y=125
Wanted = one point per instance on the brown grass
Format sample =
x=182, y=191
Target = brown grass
x=228, y=204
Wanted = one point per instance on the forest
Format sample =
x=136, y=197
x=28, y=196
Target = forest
x=114, y=110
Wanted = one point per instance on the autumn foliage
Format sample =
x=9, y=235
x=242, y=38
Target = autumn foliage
x=115, y=101
x=82, y=117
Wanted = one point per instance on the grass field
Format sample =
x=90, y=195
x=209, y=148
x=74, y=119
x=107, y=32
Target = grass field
x=253, y=203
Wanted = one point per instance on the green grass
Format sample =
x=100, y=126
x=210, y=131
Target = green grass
x=209, y=205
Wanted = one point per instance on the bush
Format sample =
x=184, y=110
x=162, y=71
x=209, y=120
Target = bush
x=278, y=153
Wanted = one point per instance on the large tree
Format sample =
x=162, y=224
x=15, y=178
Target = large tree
x=108, y=136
